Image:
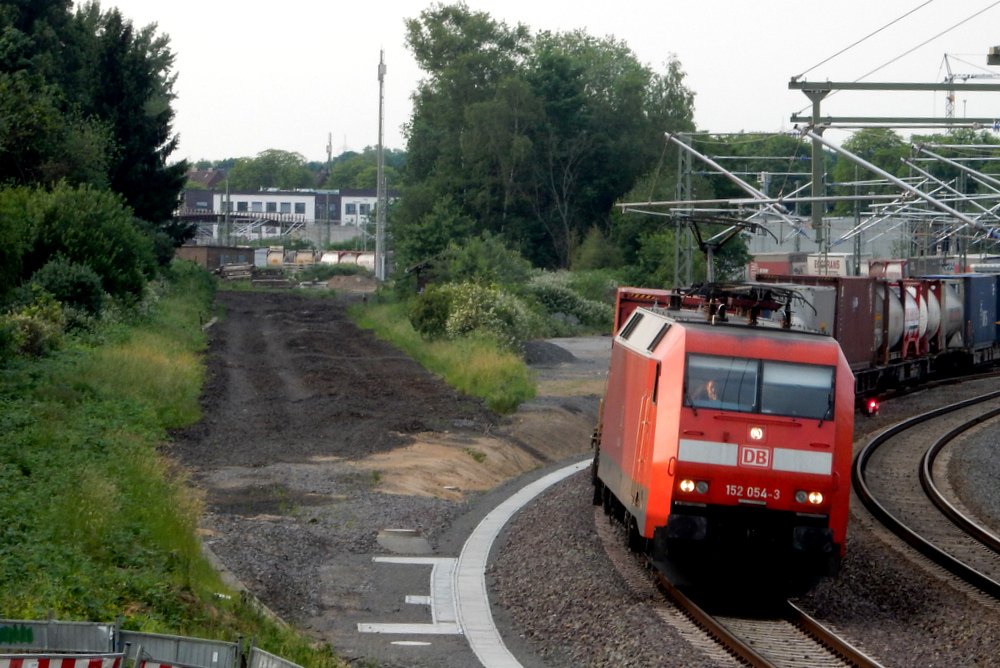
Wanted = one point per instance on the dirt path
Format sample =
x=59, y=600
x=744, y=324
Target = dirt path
x=316, y=436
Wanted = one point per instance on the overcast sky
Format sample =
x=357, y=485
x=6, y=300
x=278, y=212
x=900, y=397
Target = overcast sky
x=253, y=76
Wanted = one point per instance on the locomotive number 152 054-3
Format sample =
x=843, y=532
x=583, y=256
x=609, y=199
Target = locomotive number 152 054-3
x=751, y=492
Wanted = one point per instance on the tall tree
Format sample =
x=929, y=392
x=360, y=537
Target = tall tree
x=534, y=138
x=134, y=95
x=465, y=54
x=87, y=100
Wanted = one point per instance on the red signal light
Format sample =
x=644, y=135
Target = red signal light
x=871, y=406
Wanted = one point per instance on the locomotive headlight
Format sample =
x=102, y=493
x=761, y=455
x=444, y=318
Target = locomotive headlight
x=756, y=433
x=801, y=496
x=687, y=485
x=815, y=498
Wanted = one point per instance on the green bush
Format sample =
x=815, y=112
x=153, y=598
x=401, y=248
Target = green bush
x=72, y=284
x=38, y=327
x=487, y=313
x=457, y=310
x=8, y=339
x=597, y=252
x=94, y=228
x=598, y=285
x=485, y=260
x=473, y=364
x=561, y=301
x=15, y=233
x=428, y=312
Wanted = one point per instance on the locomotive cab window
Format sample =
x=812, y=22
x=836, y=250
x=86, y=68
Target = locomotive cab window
x=797, y=390
x=724, y=383
x=759, y=386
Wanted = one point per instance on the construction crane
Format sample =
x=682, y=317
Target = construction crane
x=949, y=104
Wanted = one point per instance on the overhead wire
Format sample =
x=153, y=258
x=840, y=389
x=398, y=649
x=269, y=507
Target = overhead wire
x=929, y=40
x=911, y=50
x=868, y=36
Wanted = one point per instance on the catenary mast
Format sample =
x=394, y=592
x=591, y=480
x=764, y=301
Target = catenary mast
x=380, y=203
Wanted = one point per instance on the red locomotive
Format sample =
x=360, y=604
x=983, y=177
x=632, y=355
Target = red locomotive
x=722, y=427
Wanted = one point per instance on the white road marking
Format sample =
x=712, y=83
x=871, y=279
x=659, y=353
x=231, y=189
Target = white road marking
x=459, y=602
x=441, y=601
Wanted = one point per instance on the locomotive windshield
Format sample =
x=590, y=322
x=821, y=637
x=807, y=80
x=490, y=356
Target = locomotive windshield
x=727, y=383
x=759, y=386
x=798, y=390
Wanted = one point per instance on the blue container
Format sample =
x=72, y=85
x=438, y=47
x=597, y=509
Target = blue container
x=980, y=303
x=997, y=288
x=980, y=309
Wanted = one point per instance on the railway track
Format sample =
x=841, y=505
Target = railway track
x=894, y=476
x=785, y=638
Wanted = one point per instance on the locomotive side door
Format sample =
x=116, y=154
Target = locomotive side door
x=639, y=494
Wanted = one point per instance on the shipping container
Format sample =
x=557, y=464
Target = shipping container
x=213, y=257
x=978, y=293
x=892, y=270
x=784, y=264
x=828, y=264
x=853, y=325
x=934, y=265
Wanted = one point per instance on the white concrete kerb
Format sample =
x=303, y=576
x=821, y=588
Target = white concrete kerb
x=472, y=602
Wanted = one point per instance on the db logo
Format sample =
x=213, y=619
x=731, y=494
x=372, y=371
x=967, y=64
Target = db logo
x=757, y=457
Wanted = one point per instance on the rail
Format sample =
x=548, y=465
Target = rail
x=983, y=582
x=764, y=643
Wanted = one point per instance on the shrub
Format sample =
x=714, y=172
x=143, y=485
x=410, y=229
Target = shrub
x=15, y=232
x=8, y=338
x=72, y=284
x=457, y=310
x=38, y=327
x=488, y=313
x=95, y=228
x=597, y=252
x=428, y=312
x=561, y=301
x=485, y=260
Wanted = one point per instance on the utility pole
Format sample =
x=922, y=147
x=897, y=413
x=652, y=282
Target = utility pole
x=380, y=177
x=326, y=194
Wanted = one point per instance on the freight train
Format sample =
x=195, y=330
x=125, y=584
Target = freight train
x=903, y=332
x=727, y=423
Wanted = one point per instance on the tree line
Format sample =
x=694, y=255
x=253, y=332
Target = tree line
x=86, y=190
x=530, y=137
x=288, y=170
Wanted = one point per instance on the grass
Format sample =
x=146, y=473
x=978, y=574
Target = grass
x=477, y=455
x=94, y=522
x=473, y=366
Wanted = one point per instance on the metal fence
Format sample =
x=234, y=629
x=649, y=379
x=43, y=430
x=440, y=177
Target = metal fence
x=261, y=659
x=96, y=638
x=53, y=635
x=181, y=649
